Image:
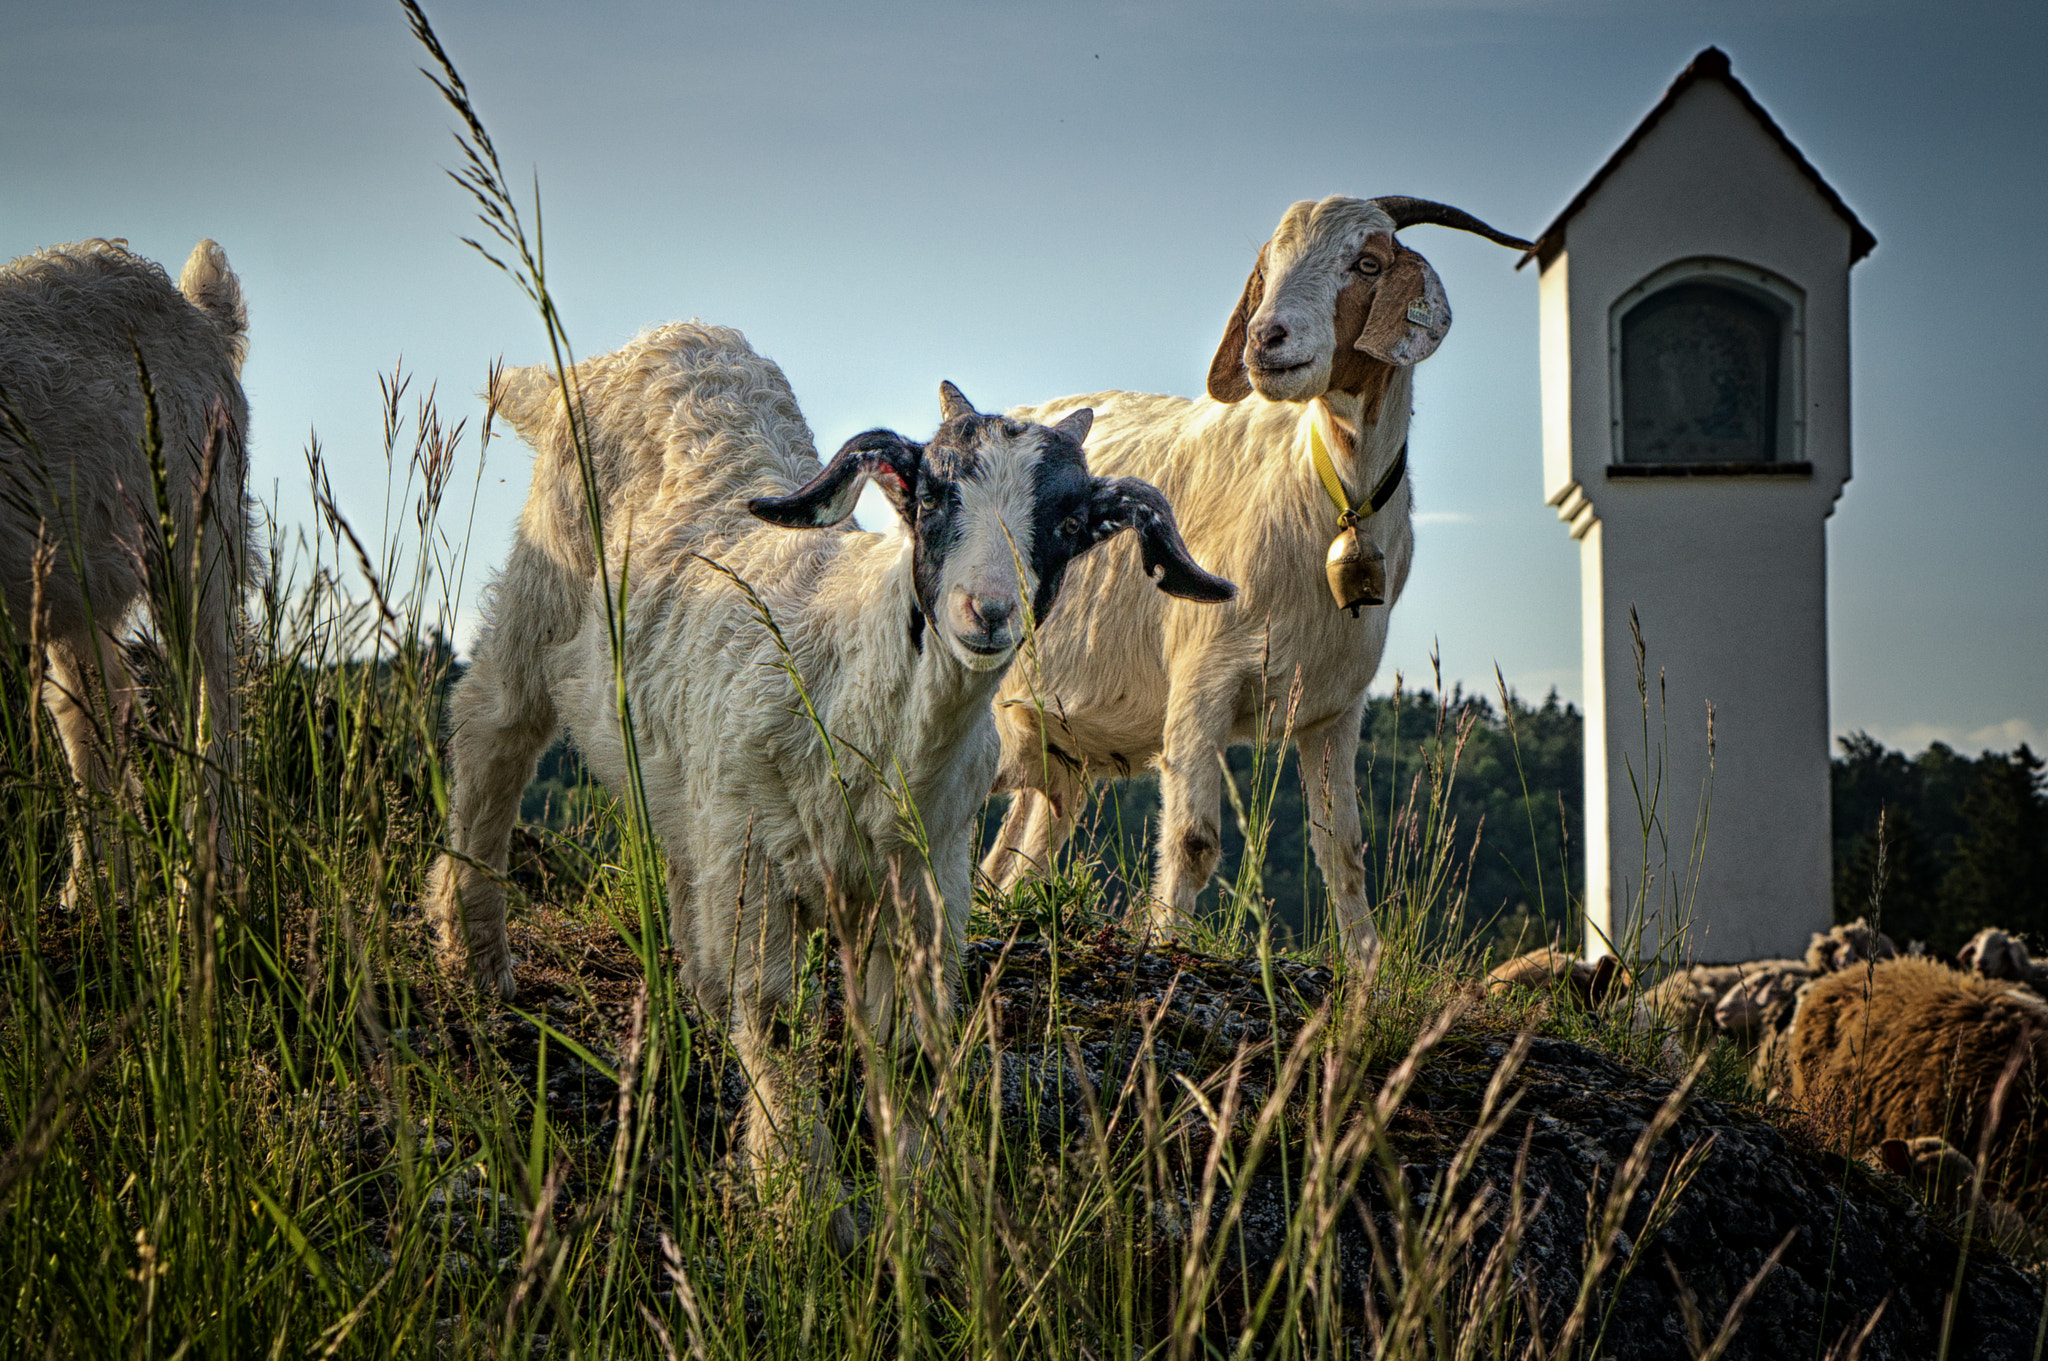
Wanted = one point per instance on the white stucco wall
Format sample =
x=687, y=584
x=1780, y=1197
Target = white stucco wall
x=1727, y=575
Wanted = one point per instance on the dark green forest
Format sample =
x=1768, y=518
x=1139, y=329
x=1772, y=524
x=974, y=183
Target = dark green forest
x=1965, y=840
x=1514, y=805
x=1964, y=843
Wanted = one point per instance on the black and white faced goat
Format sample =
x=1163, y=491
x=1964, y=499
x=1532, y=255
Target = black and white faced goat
x=780, y=811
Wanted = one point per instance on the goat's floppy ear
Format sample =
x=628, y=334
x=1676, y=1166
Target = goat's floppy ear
x=883, y=455
x=1228, y=382
x=1409, y=313
x=1122, y=503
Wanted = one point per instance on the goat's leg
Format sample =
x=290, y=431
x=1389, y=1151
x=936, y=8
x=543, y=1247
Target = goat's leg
x=1200, y=710
x=501, y=718
x=1016, y=853
x=218, y=601
x=704, y=940
x=87, y=682
x=1050, y=785
x=917, y=968
x=1329, y=773
x=1040, y=820
x=788, y=1148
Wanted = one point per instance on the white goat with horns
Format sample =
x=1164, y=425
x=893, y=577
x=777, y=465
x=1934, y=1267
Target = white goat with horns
x=851, y=804
x=80, y=541
x=1315, y=368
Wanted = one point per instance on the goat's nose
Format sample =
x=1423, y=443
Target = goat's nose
x=990, y=613
x=1272, y=334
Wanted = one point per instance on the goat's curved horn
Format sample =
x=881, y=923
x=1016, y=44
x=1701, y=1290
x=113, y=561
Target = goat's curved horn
x=1418, y=212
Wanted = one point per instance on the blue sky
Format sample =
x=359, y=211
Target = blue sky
x=1033, y=200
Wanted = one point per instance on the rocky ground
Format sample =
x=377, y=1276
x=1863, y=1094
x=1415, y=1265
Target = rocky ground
x=1077, y=1024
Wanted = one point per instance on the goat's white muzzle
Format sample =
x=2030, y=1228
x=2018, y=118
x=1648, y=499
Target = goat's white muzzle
x=1288, y=349
x=983, y=629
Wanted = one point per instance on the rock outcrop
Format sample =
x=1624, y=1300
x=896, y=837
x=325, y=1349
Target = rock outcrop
x=1077, y=1025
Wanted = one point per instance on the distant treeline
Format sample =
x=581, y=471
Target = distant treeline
x=1516, y=832
x=1966, y=840
x=1515, y=812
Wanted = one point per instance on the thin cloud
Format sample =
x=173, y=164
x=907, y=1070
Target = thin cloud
x=1914, y=738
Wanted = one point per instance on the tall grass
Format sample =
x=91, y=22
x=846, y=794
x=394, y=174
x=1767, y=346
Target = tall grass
x=243, y=1115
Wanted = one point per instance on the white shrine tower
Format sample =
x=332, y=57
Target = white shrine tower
x=1695, y=371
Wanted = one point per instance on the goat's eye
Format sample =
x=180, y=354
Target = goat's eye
x=1070, y=528
x=1367, y=266
x=928, y=497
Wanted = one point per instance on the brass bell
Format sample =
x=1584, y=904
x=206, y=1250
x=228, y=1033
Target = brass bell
x=1356, y=567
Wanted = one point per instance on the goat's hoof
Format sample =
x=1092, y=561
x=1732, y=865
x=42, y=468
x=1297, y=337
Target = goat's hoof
x=1362, y=962
x=845, y=1230
x=499, y=979
x=1160, y=926
x=492, y=978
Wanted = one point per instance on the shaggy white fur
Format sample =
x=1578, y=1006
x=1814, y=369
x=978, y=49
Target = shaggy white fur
x=1333, y=318
x=774, y=823
x=78, y=516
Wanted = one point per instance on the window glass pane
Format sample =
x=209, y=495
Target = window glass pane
x=1699, y=377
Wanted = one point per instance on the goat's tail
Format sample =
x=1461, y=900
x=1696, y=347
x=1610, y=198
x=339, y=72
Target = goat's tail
x=209, y=285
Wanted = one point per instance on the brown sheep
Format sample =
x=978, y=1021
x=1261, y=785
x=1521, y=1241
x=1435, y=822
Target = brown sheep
x=1560, y=974
x=1910, y=1047
x=1944, y=1178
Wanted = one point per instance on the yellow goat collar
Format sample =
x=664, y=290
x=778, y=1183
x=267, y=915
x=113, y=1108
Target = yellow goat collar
x=1383, y=491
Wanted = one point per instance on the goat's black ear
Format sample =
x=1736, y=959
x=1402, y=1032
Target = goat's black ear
x=1228, y=382
x=1077, y=423
x=883, y=455
x=1122, y=503
x=953, y=402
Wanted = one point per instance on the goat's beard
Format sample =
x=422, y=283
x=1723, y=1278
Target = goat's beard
x=1301, y=384
x=981, y=661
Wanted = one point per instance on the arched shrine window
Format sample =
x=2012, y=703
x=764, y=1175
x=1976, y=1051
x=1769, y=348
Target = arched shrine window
x=1702, y=375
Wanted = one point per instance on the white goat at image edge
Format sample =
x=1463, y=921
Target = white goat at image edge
x=79, y=534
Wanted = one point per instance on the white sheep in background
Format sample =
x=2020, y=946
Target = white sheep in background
x=1321, y=346
x=901, y=640
x=1838, y=947
x=1766, y=988
x=78, y=511
x=1945, y=1178
x=2000, y=954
